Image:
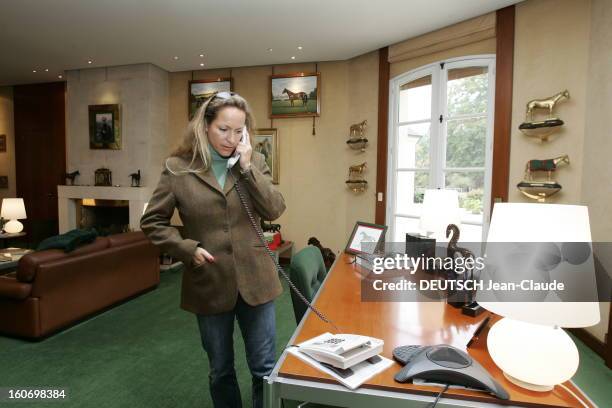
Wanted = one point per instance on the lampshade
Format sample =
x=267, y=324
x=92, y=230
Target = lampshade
x=440, y=208
x=545, y=223
x=529, y=344
x=13, y=209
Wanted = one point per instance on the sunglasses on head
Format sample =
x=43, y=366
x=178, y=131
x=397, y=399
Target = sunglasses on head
x=224, y=94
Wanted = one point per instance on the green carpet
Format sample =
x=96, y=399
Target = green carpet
x=147, y=353
x=143, y=353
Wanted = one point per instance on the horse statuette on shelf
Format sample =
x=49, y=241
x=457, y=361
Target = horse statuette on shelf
x=357, y=169
x=546, y=103
x=358, y=128
x=355, y=181
x=300, y=96
x=543, y=128
x=548, y=165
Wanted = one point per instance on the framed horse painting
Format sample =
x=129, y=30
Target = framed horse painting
x=294, y=95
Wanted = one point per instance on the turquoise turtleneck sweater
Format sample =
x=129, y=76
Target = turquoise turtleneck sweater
x=219, y=166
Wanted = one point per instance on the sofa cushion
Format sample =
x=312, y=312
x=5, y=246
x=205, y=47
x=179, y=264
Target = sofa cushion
x=29, y=262
x=125, y=238
x=70, y=240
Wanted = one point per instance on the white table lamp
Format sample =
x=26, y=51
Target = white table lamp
x=13, y=209
x=440, y=208
x=529, y=344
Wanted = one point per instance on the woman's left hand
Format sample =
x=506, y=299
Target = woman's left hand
x=246, y=151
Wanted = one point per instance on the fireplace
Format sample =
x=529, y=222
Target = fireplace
x=121, y=200
x=106, y=216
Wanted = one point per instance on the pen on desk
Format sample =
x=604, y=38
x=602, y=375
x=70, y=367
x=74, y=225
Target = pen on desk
x=479, y=330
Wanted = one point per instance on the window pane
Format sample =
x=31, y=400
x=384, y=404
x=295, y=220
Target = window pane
x=467, y=90
x=415, y=100
x=466, y=142
x=470, y=185
x=413, y=146
x=411, y=187
x=405, y=225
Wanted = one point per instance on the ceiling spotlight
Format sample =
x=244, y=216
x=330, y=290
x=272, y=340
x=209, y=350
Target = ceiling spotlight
x=175, y=58
x=34, y=70
x=60, y=76
x=269, y=49
x=89, y=61
x=201, y=64
x=46, y=69
x=299, y=47
x=293, y=57
x=201, y=55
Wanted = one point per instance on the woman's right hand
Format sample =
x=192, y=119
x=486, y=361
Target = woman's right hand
x=201, y=256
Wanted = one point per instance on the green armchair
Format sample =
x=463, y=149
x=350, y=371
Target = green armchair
x=307, y=272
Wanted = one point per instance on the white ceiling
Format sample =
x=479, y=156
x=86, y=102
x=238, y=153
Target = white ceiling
x=60, y=35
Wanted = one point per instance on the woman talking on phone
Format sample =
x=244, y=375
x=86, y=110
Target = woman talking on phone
x=228, y=274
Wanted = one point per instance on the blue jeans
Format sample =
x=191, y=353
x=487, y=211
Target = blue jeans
x=258, y=327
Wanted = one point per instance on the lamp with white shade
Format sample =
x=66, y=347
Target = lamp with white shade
x=440, y=208
x=13, y=209
x=529, y=344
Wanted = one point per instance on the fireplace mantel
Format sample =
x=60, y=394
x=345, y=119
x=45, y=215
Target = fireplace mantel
x=67, y=196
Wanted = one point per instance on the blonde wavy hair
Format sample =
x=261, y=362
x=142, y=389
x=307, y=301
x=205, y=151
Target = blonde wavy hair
x=195, y=142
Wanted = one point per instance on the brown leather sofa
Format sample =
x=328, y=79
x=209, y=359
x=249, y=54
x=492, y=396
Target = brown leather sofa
x=51, y=289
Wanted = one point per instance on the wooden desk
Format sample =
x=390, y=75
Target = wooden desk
x=398, y=324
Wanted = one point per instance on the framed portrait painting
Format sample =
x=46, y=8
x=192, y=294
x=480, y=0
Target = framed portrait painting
x=265, y=141
x=105, y=127
x=295, y=95
x=366, y=238
x=202, y=89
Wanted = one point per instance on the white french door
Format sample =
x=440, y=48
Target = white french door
x=440, y=136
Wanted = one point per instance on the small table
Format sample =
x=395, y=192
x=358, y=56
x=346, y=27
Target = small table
x=6, y=236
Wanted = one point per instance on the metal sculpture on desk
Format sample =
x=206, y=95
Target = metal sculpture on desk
x=355, y=181
x=356, y=140
x=543, y=128
x=135, y=179
x=542, y=189
x=461, y=298
x=70, y=177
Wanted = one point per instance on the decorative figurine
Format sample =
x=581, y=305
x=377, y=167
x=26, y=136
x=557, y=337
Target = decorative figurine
x=540, y=190
x=356, y=140
x=71, y=177
x=269, y=227
x=103, y=177
x=135, y=179
x=358, y=128
x=356, y=182
x=357, y=169
x=545, y=128
x=548, y=165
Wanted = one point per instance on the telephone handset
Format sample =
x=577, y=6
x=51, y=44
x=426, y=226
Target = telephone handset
x=236, y=156
x=340, y=350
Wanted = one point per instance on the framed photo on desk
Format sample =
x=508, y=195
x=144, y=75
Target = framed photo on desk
x=364, y=233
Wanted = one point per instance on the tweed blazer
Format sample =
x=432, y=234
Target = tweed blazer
x=215, y=219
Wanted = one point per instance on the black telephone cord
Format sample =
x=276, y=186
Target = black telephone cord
x=279, y=268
